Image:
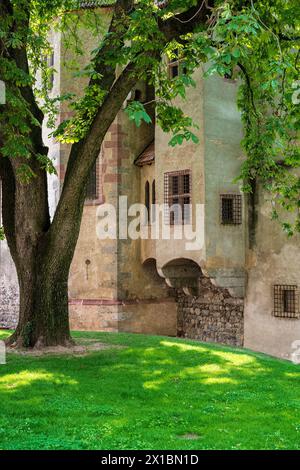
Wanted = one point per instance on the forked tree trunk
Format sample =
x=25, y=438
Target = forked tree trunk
x=43, y=271
x=43, y=251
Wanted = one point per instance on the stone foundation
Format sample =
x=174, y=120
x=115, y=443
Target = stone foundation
x=9, y=305
x=212, y=316
x=9, y=290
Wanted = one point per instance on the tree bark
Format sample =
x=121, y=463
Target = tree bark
x=43, y=251
x=43, y=313
x=44, y=319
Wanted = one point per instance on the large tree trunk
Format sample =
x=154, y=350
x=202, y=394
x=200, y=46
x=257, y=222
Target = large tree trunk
x=43, y=319
x=42, y=258
x=43, y=266
x=43, y=251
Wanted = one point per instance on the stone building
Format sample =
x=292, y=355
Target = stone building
x=234, y=282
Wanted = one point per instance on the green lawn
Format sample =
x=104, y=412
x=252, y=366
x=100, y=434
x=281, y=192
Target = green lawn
x=152, y=394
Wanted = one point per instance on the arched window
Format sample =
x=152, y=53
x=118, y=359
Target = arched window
x=147, y=201
x=153, y=209
x=138, y=95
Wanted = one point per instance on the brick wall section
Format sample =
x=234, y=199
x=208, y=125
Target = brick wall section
x=212, y=316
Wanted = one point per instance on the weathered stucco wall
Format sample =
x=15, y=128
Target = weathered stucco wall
x=150, y=317
x=188, y=156
x=225, y=244
x=273, y=259
x=146, y=316
x=89, y=315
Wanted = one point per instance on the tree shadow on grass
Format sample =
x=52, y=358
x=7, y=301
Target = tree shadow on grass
x=149, y=395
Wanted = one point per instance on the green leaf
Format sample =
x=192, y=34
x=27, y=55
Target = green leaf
x=137, y=113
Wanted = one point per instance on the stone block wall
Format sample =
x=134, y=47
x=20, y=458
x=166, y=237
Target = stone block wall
x=9, y=306
x=212, y=316
x=9, y=291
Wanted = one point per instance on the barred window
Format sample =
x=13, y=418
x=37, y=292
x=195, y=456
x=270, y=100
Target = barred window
x=178, y=197
x=286, y=301
x=231, y=209
x=92, y=184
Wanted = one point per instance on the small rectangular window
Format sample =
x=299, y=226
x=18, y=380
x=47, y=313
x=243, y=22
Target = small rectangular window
x=231, y=209
x=286, y=303
x=178, y=197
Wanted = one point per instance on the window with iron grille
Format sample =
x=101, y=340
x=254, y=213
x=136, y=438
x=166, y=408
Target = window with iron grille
x=92, y=184
x=231, y=209
x=176, y=65
x=286, y=301
x=178, y=197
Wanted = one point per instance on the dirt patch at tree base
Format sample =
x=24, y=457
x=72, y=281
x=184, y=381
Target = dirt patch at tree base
x=77, y=349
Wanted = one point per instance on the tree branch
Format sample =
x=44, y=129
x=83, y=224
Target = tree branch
x=187, y=21
x=248, y=81
x=84, y=153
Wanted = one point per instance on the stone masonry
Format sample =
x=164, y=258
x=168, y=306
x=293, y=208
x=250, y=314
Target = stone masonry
x=212, y=316
x=9, y=305
x=9, y=295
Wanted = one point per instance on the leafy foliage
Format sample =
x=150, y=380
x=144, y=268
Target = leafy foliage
x=256, y=42
x=137, y=113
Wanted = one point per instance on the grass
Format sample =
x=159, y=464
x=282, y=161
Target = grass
x=156, y=393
